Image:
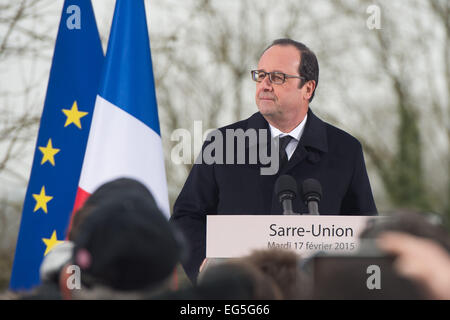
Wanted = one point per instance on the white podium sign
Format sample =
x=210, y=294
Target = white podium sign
x=230, y=236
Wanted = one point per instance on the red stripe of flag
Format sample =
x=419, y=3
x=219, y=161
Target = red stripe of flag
x=80, y=199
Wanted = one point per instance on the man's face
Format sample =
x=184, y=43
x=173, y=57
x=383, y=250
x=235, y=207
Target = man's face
x=280, y=102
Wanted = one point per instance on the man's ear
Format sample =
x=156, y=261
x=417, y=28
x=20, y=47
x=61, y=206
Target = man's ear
x=310, y=87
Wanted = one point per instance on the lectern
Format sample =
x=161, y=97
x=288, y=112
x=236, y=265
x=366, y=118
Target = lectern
x=232, y=236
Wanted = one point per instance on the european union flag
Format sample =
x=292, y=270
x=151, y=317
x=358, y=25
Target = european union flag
x=61, y=143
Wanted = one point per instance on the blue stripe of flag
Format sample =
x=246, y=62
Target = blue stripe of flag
x=127, y=79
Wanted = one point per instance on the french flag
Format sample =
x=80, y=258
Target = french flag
x=125, y=138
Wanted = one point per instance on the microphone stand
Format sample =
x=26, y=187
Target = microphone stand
x=287, y=206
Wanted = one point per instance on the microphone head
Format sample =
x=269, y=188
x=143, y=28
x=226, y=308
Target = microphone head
x=286, y=187
x=311, y=190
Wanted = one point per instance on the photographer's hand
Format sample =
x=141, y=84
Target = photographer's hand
x=420, y=259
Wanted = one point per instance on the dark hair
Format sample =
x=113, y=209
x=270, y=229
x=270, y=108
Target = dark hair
x=309, y=67
x=283, y=267
x=236, y=280
x=120, y=187
x=129, y=243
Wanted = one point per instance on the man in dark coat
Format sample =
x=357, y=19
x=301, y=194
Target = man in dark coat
x=286, y=80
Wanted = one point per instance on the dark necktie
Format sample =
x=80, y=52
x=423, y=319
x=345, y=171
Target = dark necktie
x=284, y=141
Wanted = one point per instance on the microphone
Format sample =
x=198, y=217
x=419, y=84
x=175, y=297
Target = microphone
x=312, y=194
x=286, y=191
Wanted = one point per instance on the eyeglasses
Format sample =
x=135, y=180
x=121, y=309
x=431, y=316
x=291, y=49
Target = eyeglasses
x=274, y=77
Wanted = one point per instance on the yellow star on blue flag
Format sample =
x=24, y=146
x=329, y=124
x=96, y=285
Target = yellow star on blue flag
x=74, y=115
x=48, y=153
x=51, y=242
x=41, y=200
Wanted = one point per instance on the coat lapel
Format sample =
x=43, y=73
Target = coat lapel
x=312, y=143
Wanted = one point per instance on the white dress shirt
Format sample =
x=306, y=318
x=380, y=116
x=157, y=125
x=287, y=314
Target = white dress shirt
x=296, y=134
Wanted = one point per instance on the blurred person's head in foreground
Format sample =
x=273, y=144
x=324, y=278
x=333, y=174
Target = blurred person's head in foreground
x=237, y=280
x=61, y=254
x=411, y=261
x=229, y=280
x=421, y=247
x=125, y=247
x=115, y=189
x=282, y=266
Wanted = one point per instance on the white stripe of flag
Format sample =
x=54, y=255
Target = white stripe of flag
x=120, y=145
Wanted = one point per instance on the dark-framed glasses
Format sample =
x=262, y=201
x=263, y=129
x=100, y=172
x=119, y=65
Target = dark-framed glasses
x=274, y=77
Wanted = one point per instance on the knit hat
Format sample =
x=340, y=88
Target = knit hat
x=126, y=243
x=114, y=189
x=117, y=188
